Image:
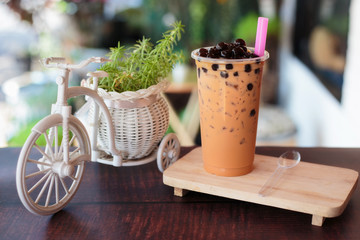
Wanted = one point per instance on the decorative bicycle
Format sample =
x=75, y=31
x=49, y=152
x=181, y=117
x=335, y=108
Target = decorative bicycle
x=48, y=177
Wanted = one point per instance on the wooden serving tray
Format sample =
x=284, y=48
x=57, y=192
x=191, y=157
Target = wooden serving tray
x=320, y=190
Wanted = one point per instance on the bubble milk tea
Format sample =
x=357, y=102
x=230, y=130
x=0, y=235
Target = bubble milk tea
x=229, y=81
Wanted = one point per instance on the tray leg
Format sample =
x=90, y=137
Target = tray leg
x=317, y=220
x=180, y=192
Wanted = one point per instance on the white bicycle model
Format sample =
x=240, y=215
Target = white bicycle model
x=51, y=162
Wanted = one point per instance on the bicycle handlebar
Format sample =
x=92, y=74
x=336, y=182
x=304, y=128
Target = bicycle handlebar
x=59, y=62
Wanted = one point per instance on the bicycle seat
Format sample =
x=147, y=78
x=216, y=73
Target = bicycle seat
x=97, y=74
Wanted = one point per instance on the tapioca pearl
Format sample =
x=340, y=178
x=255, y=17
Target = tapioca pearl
x=247, y=68
x=198, y=71
x=242, y=141
x=215, y=67
x=224, y=74
x=252, y=112
x=236, y=74
x=250, y=86
x=258, y=61
x=203, y=52
x=229, y=66
x=226, y=53
x=240, y=42
x=204, y=69
x=214, y=53
x=257, y=71
x=222, y=46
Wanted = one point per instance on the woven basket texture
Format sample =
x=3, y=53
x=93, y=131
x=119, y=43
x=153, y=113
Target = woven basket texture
x=138, y=130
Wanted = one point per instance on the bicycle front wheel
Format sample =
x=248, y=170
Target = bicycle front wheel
x=45, y=183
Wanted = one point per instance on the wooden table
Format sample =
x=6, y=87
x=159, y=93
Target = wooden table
x=133, y=203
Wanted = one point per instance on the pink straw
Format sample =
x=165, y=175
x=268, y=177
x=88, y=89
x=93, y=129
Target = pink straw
x=261, y=31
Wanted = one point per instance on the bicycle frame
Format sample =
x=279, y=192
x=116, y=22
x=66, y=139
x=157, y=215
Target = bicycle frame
x=61, y=106
x=99, y=105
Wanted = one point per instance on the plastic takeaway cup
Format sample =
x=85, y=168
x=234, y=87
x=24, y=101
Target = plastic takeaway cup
x=229, y=96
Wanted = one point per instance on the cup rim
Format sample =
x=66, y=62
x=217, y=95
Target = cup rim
x=224, y=60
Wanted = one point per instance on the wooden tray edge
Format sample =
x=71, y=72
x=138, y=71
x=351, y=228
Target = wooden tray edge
x=329, y=212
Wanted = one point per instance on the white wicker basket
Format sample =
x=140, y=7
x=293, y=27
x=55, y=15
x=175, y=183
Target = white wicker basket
x=140, y=120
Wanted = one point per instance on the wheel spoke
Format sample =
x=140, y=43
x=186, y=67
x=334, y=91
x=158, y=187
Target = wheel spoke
x=75, y=151
x=49, y=190
x=42, y=151
x=173, y=144
x=37, y=173
x=72, y=140
x=49, y=145
x=64, y=186
x=38, y=162
x=165, y=161
x=73, y=178
x=43, y=189
x=39, y=182
x=56, y=189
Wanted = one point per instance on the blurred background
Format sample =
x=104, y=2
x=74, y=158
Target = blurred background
x=309, y=90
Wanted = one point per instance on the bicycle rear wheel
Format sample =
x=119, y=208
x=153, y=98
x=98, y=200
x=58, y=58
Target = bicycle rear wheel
x=45, y=183
x=168, y=152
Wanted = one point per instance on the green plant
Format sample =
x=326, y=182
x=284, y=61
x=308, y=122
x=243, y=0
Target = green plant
x=142, y=65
